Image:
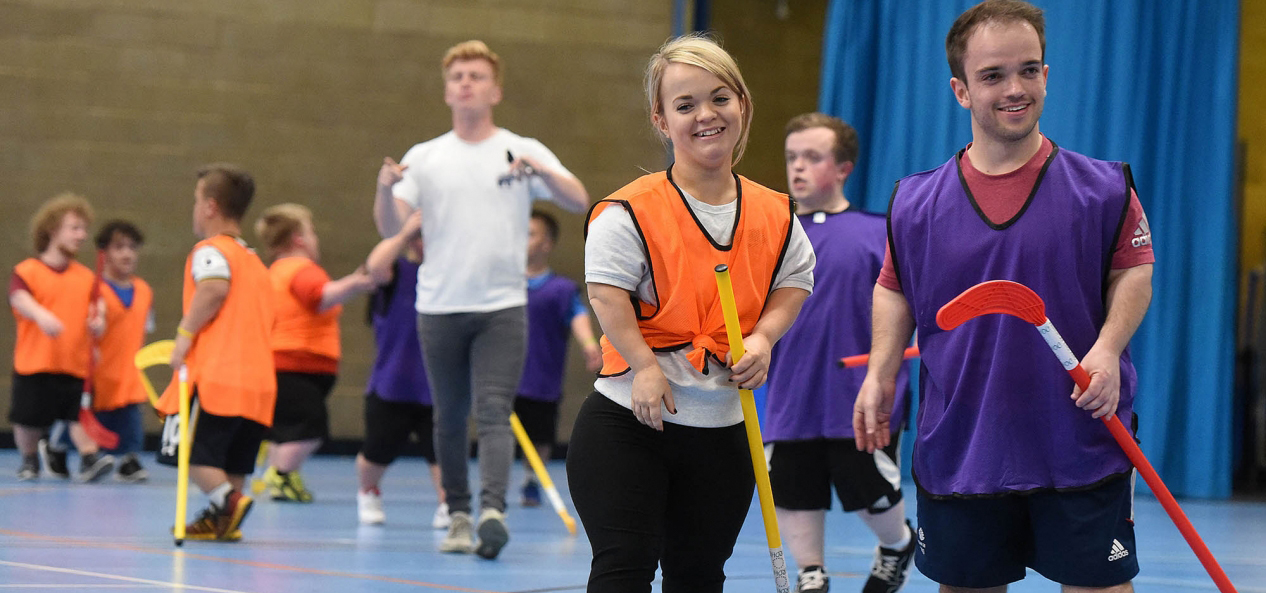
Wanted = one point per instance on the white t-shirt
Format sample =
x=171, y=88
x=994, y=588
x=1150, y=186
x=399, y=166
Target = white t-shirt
x=614, y=256
x=474, y=219
x=209, y=263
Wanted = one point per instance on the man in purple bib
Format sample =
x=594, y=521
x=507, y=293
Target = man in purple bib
x=1012, y=466
x=808, y=429
x=554, y=311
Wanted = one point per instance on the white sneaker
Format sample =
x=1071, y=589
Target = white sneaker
x=461, y=535
x=369, y=508
x=440, y=519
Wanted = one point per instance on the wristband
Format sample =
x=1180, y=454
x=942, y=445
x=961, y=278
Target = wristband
x=180, y=331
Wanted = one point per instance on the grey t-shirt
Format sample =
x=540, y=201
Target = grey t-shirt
x=614, y=256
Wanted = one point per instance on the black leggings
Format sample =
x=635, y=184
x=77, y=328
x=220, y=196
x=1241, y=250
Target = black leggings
x=676, y=499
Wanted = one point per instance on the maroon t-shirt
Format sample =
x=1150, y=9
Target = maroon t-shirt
x=1000, y=197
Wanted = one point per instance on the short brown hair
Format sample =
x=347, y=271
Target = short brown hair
x=119, y=227
x=279, y=224
x=845, y=145
x=51, y=214
x=230, y=186
x=989, y=11
x=472, y=50
x=547, y=219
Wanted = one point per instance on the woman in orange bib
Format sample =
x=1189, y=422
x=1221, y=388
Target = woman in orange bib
x=658, y=463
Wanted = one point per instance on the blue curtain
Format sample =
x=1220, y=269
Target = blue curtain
x=1150, y=83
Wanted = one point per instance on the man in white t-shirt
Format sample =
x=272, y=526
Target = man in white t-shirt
x=474, y=187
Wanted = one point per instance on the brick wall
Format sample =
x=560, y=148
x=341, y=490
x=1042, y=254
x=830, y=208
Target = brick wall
x=121, y=100
x=780, y=59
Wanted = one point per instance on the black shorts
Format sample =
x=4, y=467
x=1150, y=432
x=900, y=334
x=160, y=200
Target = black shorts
x=43, y=398
x=801, y=474
x=1082, y=538
x=388, y=426
x=230, y=443
x=539, y=420
x=301, y=414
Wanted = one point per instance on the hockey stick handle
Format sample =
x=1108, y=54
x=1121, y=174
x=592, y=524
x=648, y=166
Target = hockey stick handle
x=104, y=437
x=1144, y=467
x=755, y=444
x=182, y=456
x=542, y=475
x=859, y=360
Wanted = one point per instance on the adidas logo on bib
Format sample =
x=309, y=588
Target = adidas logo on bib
x=1118, y=551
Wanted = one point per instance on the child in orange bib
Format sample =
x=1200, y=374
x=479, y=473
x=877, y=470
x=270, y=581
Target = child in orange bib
x=306, y=348
x=225, y=341
x=117, y=391
x=51, y=299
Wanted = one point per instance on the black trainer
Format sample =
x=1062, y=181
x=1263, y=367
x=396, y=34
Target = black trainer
x=54, y=461
x=131, y=471
x=891, y=568
x=30, y=469
x=813, y=579
x=94, y=465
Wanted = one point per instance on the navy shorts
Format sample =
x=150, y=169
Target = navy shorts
x=1082, y=538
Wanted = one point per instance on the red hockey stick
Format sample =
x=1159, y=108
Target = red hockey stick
x=861, y=360
x=97, y=431
x=1018, y=300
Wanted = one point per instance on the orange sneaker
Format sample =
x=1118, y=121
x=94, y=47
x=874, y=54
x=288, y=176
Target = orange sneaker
x=236, y=505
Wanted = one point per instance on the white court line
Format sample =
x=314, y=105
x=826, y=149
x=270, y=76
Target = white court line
x=76, y=586
x=116, y=577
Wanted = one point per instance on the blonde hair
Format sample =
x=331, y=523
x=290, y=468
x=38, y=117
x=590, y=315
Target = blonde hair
x=472, y=50
x=279, y=224
x=699, y=50
x=50, y=215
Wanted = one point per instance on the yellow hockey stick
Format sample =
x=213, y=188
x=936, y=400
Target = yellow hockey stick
x=529, y=451
x=755, y=444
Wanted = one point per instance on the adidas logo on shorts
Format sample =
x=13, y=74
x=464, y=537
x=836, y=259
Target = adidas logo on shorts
x=1118, y=551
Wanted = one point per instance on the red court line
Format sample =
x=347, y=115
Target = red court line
x=251, y=563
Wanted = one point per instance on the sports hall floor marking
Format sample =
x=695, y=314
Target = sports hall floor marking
x=30, y=490
x=75, y=586
x=102, y=575
x=251, y=563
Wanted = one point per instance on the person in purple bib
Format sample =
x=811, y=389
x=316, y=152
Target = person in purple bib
x=397, y=398
x=808, y=429
x=1012, y=466
x=554, y=312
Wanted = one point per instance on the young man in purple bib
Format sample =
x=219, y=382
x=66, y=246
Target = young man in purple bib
x=555, y=312
x=808, y=428
x=1012, y=465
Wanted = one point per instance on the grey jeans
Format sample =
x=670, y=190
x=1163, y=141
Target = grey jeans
x=474, y=357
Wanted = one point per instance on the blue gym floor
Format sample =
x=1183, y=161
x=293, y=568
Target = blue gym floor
x=60, y=536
